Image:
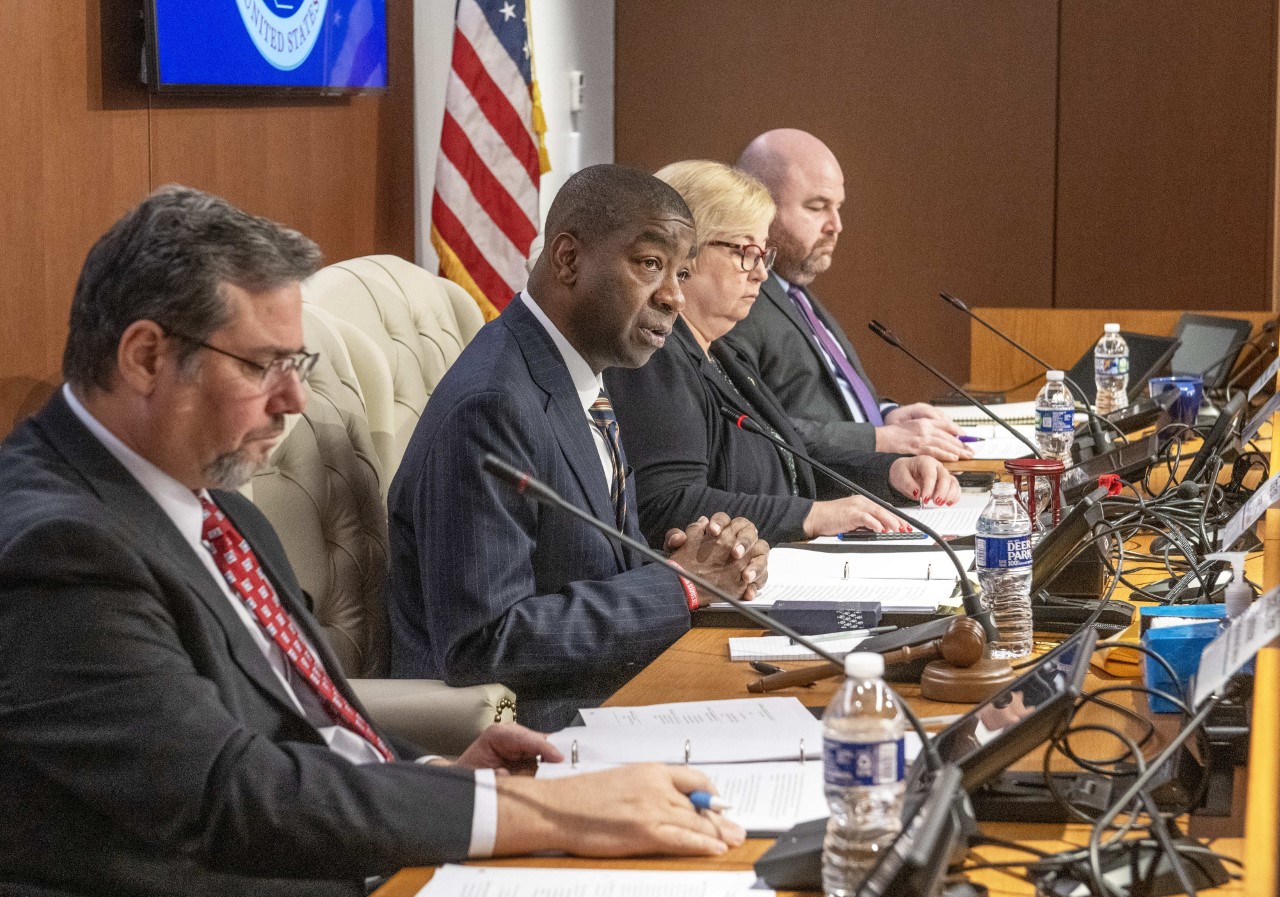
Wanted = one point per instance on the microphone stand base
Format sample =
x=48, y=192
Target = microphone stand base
x=965, y=685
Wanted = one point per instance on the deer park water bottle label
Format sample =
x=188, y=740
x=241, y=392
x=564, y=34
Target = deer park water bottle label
x=1003, y=552
x=1055, y=420
x=1111, y=365
x=849, y=764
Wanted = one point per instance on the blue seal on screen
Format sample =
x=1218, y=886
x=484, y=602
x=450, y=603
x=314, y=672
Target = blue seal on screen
x=284, y=31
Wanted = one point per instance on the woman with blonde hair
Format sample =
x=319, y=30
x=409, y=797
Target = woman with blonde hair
x=688, y=458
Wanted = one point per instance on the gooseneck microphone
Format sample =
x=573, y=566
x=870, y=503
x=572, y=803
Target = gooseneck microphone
x=892, y=339
x=1100, y=439
x=972, y=604
x=527, y=484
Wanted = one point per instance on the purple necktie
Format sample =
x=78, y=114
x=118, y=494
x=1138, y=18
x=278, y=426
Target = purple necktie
x=870, y=407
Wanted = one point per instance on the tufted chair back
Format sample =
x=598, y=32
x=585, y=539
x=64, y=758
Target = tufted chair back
x=322, y=493
x=419, y=322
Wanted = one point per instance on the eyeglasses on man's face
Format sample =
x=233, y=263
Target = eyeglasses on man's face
x=271, y=374
x=750, y=254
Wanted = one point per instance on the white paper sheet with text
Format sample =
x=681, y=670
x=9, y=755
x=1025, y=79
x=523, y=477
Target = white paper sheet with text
x=491, y=881
x=765, y=798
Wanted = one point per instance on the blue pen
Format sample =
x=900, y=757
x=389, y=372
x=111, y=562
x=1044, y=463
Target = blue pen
x=705, y=800
x=970, y=438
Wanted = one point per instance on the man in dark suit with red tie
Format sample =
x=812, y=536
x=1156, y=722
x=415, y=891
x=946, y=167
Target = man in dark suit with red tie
x=171, y=720
x=802, y=352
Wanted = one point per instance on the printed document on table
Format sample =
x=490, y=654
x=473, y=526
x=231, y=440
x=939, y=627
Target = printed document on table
x=688, y=715
x=748, y=743
x=766, y=799
x=790, y=565
x=997, y=444
x=493, y=881
x=1011, y=412
x=779, y=647
x=894, y=595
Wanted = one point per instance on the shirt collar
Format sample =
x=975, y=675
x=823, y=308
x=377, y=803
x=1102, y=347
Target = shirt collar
x=179, y=503
x=786, y=284
x=586, y=382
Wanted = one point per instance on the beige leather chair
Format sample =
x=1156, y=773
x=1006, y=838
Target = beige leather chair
x=418, y=321
x=323, y=494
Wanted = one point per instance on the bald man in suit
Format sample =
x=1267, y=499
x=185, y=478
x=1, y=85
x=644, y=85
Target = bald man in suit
x=801, y=350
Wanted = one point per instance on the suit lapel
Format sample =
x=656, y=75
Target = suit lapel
x=766, y=406
x=134, y=509
x=568, y=421
x=773, y=291
x=290, y=595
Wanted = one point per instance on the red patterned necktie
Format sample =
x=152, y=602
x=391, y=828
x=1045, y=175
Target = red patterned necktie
x=238, y=564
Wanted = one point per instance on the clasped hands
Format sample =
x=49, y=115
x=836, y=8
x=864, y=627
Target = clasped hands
x=726, y=551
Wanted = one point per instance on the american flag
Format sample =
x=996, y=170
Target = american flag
x=484, y=214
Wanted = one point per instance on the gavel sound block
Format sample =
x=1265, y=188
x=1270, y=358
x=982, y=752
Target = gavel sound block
x=962, y=675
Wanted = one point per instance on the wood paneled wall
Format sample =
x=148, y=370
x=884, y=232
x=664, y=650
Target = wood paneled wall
x=81, y=141
x=1071, y=154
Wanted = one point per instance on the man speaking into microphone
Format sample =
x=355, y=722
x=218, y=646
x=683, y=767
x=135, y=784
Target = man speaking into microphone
x=800, y=349
x=486, y=585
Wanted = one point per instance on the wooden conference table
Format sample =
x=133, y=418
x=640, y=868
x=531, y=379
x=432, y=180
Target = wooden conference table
x=697, y=668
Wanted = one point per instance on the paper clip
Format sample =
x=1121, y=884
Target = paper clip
x=688, y=751
x=846, y=570
x=802, y=752
x=573, y=754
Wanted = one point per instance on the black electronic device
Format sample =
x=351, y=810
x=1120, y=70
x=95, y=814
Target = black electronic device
x=1135, y=416
x=1149, y=357
x=1124, y=460
x=935, y=824
x=866, y=535
x=975, y=480
x=1218, y=438
x=1012, y=723
x=1054, y=551
x=1210, y=345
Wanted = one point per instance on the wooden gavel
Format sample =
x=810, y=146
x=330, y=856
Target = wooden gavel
x=963, y=644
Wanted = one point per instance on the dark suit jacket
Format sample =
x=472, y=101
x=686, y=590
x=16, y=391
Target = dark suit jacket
x=486, y=585
x=146, y=746
x=777, y=339
x=690, y=460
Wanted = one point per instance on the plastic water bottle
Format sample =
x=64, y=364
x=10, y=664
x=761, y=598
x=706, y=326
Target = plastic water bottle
x=1111, y=370
x=1055, y=418
x=1003, y=559
x=864, y=764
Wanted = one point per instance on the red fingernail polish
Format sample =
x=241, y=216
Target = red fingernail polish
x=915, y=493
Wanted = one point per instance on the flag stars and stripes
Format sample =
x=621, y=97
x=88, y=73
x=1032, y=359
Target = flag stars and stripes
x=484, y=213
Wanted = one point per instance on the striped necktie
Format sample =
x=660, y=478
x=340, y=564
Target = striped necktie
x=238, y=564
x=602, y=418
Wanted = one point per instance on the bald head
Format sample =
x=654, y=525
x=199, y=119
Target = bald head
x=808, y=187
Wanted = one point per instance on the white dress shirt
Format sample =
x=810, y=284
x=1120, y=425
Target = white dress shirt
x=586, y=382
x=182, y=507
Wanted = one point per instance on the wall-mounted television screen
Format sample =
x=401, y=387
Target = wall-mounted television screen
x=255, y=46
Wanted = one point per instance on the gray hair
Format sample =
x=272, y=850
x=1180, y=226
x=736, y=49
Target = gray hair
x=167, y=261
